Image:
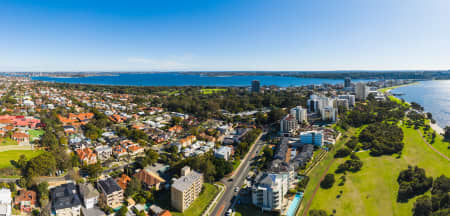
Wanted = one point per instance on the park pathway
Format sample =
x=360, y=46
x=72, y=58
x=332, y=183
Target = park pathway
x=432, y=148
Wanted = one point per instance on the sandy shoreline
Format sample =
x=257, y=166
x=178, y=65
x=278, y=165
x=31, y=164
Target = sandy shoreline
x=434, y=126
x=437, y=128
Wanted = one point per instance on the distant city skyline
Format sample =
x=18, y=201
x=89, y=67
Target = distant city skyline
x=255, y=35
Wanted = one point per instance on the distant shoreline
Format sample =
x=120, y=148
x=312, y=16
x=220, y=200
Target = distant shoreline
x=434, y=126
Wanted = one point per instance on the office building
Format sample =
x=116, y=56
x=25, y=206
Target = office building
x=5, y=202
x=255, y=86
x=288, y=124
x=311, y=137
x=300, y=114
x=111, y=193
x=347, y=82
x=362, y=91
x=268, y=193
x=186, y=189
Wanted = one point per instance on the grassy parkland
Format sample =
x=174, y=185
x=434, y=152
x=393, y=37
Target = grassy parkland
x=373, y=190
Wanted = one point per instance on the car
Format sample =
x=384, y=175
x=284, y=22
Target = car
x=229, y=212
x=236, y=189
x=230, y=180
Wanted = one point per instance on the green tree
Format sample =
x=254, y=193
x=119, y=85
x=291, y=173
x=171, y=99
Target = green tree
x=422, y=206
x=327, y=181
x=317, y=212
x=133, y=187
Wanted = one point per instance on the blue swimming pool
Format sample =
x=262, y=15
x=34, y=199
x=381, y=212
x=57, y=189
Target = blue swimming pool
x=294, y=204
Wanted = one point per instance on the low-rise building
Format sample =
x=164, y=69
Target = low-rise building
x=5, y=202
x=25, y=200
x=104, y=152
x=89, y=195
x=223, y=152
x=111, y=193
x=311, y=137
x=186, y=189
x=65, y=200
x=149, y=178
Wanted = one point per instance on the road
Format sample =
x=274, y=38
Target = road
x=237, y=180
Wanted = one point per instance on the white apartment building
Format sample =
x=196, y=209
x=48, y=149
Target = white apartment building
x=186, y=189
x=349, y=98
x=269, y=191
x=300, y=114
x=288, y=124
x=362, y=91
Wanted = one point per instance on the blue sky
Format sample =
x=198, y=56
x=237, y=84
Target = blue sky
x=165, y=35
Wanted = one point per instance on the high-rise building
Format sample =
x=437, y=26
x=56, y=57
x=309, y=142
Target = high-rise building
x=300, y=114
x=186, y=189
x=362, y=91
x=350, y=98
x=288, y=124
x=255, y=86
x=347, y=82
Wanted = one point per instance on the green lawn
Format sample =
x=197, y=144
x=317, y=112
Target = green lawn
x=316, y=172
x=199, y=205
x=7, y=156
x=210, y=91
x=439, y=143
x=7, y=141
x=373, y=190
x=35, y=134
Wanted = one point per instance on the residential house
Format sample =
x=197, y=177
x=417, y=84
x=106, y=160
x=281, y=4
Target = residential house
x=25, y=200
x=123, y=181
x=149, y=178
x=111, y=193
x=104, y=152
x=21, y=138
x=65, y=200
x=119, y=151
x=87, y=156
x=89, y=195
x=223, y=152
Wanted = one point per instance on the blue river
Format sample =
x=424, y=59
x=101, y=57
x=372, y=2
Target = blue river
x=177, y=79
x=434, y=96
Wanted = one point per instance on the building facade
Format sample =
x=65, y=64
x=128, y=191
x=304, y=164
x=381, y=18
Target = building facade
x=362, y=91
x=311, y=137
x=269, y=191
x=288, y=124
x=111, y=193
x=186, y=189
x=300, y=114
